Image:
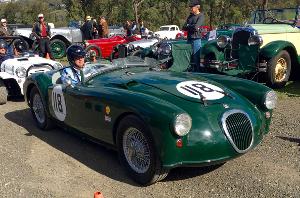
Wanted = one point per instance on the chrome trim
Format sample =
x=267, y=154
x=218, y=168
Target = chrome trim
x=223, y=121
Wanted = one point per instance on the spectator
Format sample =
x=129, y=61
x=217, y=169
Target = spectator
x=192, y=24
x=95, y=32
x=128, y=28
x=42, y=30
x=4, y=31
x=103, y=28
x=74, y=73
x=87, y=29
x=3, y=51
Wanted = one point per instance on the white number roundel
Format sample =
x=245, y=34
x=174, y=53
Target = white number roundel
x=198, y=89
x=58, y=103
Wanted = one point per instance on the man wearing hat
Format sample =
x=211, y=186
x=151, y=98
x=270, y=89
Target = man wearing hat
x=42, y=30
x=87, y=29
x=192, y=26
x=3, y=28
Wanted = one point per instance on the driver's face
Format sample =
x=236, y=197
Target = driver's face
x=79, y=62
x=2, y=51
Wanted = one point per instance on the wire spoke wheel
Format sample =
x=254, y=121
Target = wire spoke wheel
x=136, y=150
x=38, y=108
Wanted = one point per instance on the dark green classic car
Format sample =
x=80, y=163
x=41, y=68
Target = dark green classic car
x=157, y=120
x=267, y=49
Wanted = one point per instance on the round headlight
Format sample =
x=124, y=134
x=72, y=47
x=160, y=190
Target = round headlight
x=21, y=72
x=270, y=100
x=223, y=40
x=165, y=49
x=130, y=48
x=182, y=124
x=255, y=40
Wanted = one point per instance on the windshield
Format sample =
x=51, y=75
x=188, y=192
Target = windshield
x=93, y=69
x=286, y=15
x=164, y=28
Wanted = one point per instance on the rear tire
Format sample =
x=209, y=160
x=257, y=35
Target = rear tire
x=279, y=70
x=38, y=110
x=3, y=93
x=137, y=151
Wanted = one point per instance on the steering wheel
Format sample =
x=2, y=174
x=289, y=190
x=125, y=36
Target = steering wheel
x=271, y=20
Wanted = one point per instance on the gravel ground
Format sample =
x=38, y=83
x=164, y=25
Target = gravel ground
x=35, y=163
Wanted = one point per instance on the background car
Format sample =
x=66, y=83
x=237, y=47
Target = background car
x=13, y=72
x=61, y=38
x=103, y=47
x=167, y=32
x=269, y=48
x=157, y=120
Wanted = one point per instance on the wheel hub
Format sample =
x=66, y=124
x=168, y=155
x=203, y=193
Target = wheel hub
x=136, y=150
x=280, y=70
x=38, y=108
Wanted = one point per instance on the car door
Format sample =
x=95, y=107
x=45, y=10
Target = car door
x=85, y=111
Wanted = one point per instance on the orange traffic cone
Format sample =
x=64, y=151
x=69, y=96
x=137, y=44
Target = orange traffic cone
x=98, y=195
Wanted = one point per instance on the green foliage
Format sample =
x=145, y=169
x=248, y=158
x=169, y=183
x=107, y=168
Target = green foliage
x=154, y=13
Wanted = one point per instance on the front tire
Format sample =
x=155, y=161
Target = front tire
x=3, y=93
x=137, y=151
x=279, y=70
x=38, y=110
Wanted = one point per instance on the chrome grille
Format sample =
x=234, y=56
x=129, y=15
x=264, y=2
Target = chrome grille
x=238, y=129
x=240, y=37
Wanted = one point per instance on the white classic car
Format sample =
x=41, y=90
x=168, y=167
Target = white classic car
x=61, y=38
x=167, y=32
x=13, y=73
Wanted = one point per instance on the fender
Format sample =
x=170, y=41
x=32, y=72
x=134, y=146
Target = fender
x=273, y=48
x=5, y=75
x=211, y=48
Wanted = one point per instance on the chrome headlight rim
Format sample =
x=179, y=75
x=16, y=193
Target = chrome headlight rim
x=182, y=124
x=270, y=100
x=21, y=72
x=165, y=49
x=255, y=40
x=223, y=41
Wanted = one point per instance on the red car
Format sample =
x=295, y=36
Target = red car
x=104, y=46
x=204, y=30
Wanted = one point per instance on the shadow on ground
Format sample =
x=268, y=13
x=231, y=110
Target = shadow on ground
x=97, y=157
x=290, y=139
x=292, y=89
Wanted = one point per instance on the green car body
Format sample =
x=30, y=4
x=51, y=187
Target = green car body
x=98, y=106
x=269, y=47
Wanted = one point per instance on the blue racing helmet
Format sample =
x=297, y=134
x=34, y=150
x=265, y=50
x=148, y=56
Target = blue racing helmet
x=3, y=44
x=75, y=52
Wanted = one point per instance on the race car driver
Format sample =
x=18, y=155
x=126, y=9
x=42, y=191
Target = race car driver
x=74, y=73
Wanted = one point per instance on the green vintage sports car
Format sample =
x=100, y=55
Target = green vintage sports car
x=157, y=120
x=267, y=48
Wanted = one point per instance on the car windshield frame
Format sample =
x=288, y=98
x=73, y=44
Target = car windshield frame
x=92, y=70
x=280, y=16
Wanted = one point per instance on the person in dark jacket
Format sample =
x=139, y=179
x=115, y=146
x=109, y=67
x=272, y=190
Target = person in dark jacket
x=192, y=26
x=87, y=29
x=41, y=29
